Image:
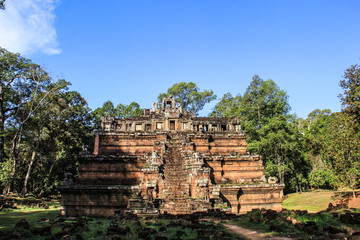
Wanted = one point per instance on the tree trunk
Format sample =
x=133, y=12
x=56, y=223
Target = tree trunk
x=2, y=126
x=32, y=160
x=15, y=153
x=45, y=183
x=354, y=195
x=2, y=141
x=280, y=171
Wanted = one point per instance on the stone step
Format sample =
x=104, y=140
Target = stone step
x=176, y=178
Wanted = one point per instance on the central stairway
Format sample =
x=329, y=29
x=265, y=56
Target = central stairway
x=176, y=178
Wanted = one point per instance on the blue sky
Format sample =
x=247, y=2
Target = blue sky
x=127, y=51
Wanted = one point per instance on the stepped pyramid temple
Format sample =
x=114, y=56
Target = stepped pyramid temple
x=169, y=161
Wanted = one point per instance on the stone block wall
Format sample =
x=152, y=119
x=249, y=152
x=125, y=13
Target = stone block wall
x=169, y=161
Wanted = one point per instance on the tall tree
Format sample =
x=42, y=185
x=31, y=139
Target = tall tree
x=350, y=100
x=261, y=101
x=281, y=149
x=347, y=150
x=228, y=106
x=189, y=96
x=51, y=141
x=271, y=131
x=314, y=132
x=343, y=150
x=331, y=141
x=23, y=87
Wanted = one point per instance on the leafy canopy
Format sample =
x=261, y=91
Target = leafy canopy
x=350, y=100
x=228, y=106
x=120, y=111
x=189, y=96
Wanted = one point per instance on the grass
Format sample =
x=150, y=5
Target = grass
x=311, y=201
x=323, y=219
x=97, y=228
x=264, y=226
x=280, y=226
x=9, y=217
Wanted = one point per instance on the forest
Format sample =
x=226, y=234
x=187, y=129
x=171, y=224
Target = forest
x=44, y=126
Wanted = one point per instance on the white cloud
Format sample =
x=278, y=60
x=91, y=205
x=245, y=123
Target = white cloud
x=27, y=27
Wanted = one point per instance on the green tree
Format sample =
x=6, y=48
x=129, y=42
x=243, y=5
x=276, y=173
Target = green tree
x=120, y=111
x=331, y=141
x=343, y=150
x=315, y=130
x=228, y=106
x=280, y=147
x=42, y=126
x=271, y=131
x=347, y=124
x=51, y=142
x=262, y=101
x=131, y=110
x=350, y=100
x=322, y=178
x=189, y=96
x=24, y=87
x=106, y=109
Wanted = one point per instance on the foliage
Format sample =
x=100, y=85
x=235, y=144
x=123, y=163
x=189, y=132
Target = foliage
x=331, y=140
x=5, y=171
x=321, y=151
x=43, y=126
x=24, y=86
x=332, y=149
x=120, y=111
x=350, y=100
x=262, y=101
x=281, y=148
x=321, y=178
x=271, y=131
x=228, y=106
x=189, y=96
x=343, y=150
x=56, y=134
x=314, y=136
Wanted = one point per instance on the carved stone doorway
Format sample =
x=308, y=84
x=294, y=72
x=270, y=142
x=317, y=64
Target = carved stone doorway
x=172, y=125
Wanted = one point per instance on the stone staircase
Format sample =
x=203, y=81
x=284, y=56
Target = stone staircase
x=176, y=178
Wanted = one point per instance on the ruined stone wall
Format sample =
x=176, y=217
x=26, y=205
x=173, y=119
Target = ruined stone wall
x=134, y=144
x=113, y=171
x=220, y=144
x=95, y=200
x=169, y=161
x=184, y=172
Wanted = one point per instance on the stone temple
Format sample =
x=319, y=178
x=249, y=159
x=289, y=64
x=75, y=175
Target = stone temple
x=169, y=161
